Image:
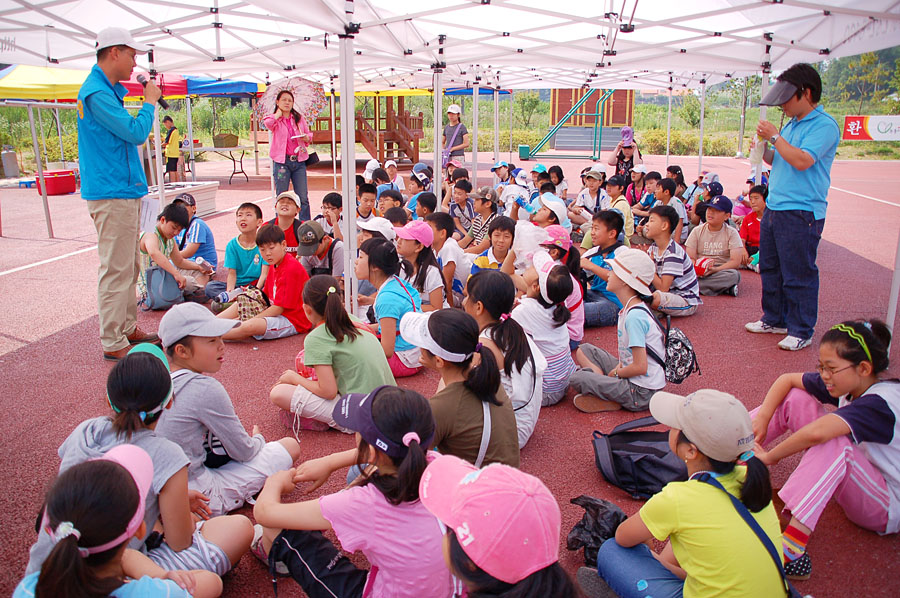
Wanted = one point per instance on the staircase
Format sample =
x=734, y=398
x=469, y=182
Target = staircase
x=580, y=138
x=397, y=139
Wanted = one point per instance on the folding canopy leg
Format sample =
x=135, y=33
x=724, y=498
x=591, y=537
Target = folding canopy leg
x=438, y=96
x=702, y=118
x=40, y=169
x=348, y=170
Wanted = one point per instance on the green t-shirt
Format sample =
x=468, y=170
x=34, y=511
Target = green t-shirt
x=359, y=363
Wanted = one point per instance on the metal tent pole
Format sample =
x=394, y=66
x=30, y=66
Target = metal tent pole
x=895, y=291
x=702, y=116
x=62, y=152
x=40, y=170
x=476, y=91
x=190, y=132
x=334, y=144
x=438, y=96
x=254, y=129
x=496, y=129
x=740, y=150
x=669, y=123
x=348, y=170
x=157, y=150
x=510, y=125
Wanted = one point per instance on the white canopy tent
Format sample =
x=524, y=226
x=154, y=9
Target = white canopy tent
x=518, y=44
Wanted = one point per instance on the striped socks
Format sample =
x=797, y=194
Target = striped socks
x=794, y=543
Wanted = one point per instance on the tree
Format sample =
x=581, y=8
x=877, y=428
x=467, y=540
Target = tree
x=866, y=79
x=735, y=89
x=527, y=103
x=690, y=110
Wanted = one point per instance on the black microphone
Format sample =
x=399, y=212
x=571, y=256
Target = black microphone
x=143, y=81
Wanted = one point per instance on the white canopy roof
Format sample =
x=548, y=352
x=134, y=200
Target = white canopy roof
x=505, y=43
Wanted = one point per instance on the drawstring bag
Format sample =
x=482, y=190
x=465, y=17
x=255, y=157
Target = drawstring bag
x=251, y=303
x=162, y=290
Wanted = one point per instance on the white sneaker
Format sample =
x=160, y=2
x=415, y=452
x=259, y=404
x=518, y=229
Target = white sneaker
x=760, y=327
x=794, y=343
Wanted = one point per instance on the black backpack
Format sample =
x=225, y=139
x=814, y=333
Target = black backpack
x=680, y=359
x=638, y=462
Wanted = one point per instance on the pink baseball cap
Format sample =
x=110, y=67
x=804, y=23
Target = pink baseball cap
x=559, y=237
x=417, y=230
x=506, y=520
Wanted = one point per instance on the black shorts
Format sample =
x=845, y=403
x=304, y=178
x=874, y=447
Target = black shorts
x=171, y=164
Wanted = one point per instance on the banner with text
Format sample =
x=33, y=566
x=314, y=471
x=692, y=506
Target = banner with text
x=871, y=128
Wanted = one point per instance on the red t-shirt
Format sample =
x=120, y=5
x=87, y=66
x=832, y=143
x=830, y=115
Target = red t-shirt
x=750, y=229
x=290, y=239
x=284, y=287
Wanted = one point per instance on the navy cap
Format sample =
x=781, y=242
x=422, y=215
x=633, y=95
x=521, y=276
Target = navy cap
x=354, y=412
x=715, y=188
x=617, y=180
x=721, y=203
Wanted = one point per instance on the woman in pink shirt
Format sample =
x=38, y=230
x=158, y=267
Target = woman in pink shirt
x=288, y=148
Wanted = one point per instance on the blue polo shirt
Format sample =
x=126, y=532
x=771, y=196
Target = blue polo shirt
x=818, y=134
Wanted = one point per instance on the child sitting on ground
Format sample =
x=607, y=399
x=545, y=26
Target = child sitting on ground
x=450, y=257
x=559, y=246
x=420, y=267
x=502, y=233
x=158, y=249
x=491, y=295
x=397, y=216
x=601, y=306
x=615, y=186
x=642, y=205
x=608, y=382
x=391, y=167
x=287, y=206
x=701, y=202
x=462, y=209
x=379, y=263
x=542, y=314
x=418, y=182
x=485, y=203
x=243, y=263
x=425, y=205
x=750, y=224
x=677, y=292
x=91, y=513
x=284, y=285
x=474, y=418
x=712, y=549
x=851, y=454
x=665, y=196
x=365, y=209
x=722, y=245
x=394, y=429
x=227, y=465
x=138, y=390
x=195, y=240
x=318, y=252
x=389, y=198
x=502, y=526
x=346, y=358
x=382, y=182
x=560, y=186
x=331, y=219
x=376, y=228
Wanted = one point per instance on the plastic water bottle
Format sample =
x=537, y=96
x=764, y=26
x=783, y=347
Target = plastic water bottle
x=229, y=296
x=205, y=265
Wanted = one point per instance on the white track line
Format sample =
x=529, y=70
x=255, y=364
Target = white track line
x=890, y=203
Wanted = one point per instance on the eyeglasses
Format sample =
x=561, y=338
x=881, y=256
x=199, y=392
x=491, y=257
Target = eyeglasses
x=830, y=371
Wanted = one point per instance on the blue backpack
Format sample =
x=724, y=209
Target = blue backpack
x=162, y=290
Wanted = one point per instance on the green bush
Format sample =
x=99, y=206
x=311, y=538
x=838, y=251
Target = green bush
x=685, y=143
x=529, y=137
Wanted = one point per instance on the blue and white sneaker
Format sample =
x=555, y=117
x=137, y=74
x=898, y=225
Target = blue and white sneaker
x=760, y=327
x=794, y=343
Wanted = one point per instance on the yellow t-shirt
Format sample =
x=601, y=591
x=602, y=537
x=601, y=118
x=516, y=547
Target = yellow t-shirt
x=173, y=147
x=620, y=204
x=713, y=544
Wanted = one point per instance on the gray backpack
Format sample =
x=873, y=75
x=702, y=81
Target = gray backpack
x=162, y=290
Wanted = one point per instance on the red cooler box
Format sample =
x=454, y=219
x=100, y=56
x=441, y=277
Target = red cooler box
x=59, y=182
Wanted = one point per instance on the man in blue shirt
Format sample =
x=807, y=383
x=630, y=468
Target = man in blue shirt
x=801, y=157
x=113, y=183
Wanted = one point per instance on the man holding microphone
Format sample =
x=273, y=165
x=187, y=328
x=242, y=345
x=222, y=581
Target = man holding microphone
x=113, y=183
x=801, y=157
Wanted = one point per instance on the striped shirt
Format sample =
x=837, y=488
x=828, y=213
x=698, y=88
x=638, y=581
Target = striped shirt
x=675, y=262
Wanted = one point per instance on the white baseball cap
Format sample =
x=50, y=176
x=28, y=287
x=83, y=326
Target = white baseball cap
x=117, y=36
x=379, y=225
x=371, y=165
x=454, y=108
x=390, y=163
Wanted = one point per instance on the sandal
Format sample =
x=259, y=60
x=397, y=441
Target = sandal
x=592, y=404
x=257, y=550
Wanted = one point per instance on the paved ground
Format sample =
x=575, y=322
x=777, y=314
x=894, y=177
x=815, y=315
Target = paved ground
x=50, y=361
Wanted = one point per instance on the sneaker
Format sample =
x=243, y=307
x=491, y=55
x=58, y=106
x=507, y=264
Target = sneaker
x=760, y=327
x=218, y=307
x=257, y=550
x=733, y=291
x=794, y=343
x=800, y=568
x=592, y=585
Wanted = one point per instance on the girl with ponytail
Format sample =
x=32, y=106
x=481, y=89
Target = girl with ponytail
x=490, y=298
x=712, y=549
x=474, y=417
x=91, y=512
x=139, y=389
x=559, y=246
x=852, y=454
x=345, y=355
x=379, y=514
x=542, y=314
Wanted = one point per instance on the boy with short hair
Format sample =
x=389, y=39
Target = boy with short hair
x=462, y=209
x=320, y=253
x=397, y=216
x=485, y=202
x=426, y=204
x=677, y=292
x=722, y=244
x=287, y=206
x=382, y=182
x=698, y=208
x=589, y=200
x=367, y=197
x=750, y=224
x=450, y=257
x=641, y=208
x=665, y=196
x=615, y=187
x=197, y=239
x=243, y=263
x=159, y=249
x=389, y=198
x=227, y=465
x=601, y=306
x=284, y=288
x=418, y=183
x=502, y=233
x=331, y=219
